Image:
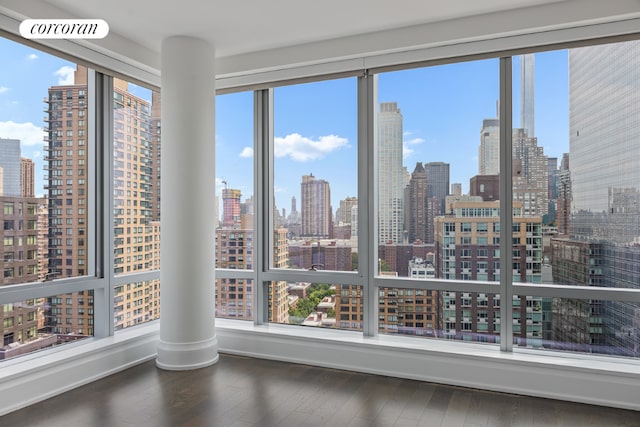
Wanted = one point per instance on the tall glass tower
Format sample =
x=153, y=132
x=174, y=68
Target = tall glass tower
x=10, y=165
x=489, y=150
x=604, y=179
x=604, y=133
x=527, y=100
x=390, y=174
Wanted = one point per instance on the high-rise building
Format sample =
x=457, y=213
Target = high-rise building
x=66, y=185
x=234, y=249
x=564, y=196
x=156, y=142
x=278, y=305
x=489, y=150
x=416, y=206
x=390, y=174
x=231, y=207
x=294, y=215
x=456, y=189
x=437, y=191
x=468, y=248
x=603, y=122
x=533, y=178
x=136, y=244
x=552, y=175
x=19, y=253
x=343, y=215
x=234, y=297
x=10, y=165
x=603, y=192
x=527, y=94
x=316, y=207
x=532, y=163
x=27, y=177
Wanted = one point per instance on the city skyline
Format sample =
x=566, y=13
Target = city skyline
x=321, y=138
x=136, y=138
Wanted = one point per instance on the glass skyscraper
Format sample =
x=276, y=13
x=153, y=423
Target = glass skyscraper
x=10, y=165
x=527, y=94
x=604, y=175
x=390, y=174
x=604, y=135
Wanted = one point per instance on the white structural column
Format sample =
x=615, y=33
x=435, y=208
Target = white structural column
x=187, y=274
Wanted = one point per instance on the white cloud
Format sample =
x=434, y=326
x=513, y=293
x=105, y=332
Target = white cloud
x=303, y=149
x=32, y=56
x=37, y=154
x=406, y=152
x=406, y=146
x=27, y=133
x=414, y=141
x=4, y=89
x=247, y=152
x=65, y=75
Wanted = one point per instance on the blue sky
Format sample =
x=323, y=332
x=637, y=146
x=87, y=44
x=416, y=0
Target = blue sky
x=25, y=76
x=315, y=124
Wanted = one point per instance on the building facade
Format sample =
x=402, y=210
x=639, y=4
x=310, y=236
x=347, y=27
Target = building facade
x=467, y=247
x=417, y=206
x=602, y=191
x=489, y=150
x=10, y=165
x=527, y=94
x=390, y=174
x=136, y=237
x=316, y=212
x=27, y=177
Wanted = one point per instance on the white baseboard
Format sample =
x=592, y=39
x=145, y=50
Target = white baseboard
x=34, y=378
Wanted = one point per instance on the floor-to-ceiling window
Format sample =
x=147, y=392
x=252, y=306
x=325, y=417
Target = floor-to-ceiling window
x=48, y=211
x=292, y=202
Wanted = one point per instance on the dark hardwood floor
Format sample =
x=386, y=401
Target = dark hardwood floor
x=241, y=391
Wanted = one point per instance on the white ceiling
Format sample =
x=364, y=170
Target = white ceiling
x=240, y=26
x=265, y=36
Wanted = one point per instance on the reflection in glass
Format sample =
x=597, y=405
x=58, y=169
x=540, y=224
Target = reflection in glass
x=586, y=108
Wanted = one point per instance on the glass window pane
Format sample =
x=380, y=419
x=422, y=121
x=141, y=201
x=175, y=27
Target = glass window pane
x=234, y=178
x=136, y=152
x=43, y=163
x=325, y=305
x=136, y=200
x=136, y=303
x=234, y=200
x=460, y=316
x=432, y=221
x=578, y=161
x=234, y=299
x=44, y=197
x=315, y=173
x=32, y=325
